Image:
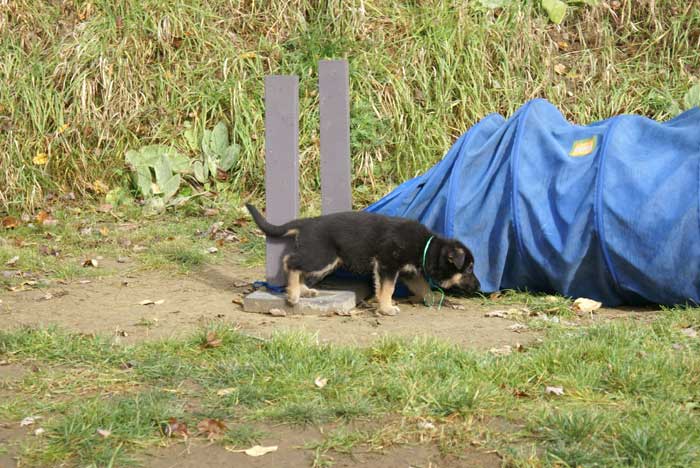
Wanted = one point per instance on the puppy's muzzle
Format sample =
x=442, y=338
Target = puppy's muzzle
x=468, y=283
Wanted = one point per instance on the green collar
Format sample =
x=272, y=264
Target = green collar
x=431, y=283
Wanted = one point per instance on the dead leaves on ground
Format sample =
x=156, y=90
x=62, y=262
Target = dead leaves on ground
x=174, y=428
x=211, y=341
x=558, y=391
x=212, y=428
x=255, y=451
x=10, y=222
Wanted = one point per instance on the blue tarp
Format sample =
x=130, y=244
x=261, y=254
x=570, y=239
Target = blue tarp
x=608, y=211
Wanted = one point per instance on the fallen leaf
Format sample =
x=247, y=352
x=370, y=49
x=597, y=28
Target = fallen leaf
x=39, y=431
x=48, y=296
x=502, y=351
x=13, y=261
x=45, y=250
x=255, y=451
x=690, y=332
x=50, y=222
x=174, y=428
x=554, y=390
x=320, y=383
x=495, y=295
x=28, y=421
x=84, y=282
x=212, y=250
x=159, y=302
x=40, y=159
x=10, y=222
x=248, y=55
x=104, y=433
x=100, y=187
x=212, y=428
x=122, y=259
x=347, y=313
x=277, y=313
x=85, y=231
x=212, y=341
x=560, y=68
x=518, y=327
x=509, y=313
x=90, y=262
x=104, y=232
x=211, y=212
x=426, y=426
x=585, y=306
x=146, y=302
x=226, y=391
x=563, y=45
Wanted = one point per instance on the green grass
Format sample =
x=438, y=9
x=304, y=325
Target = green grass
x=176, y=241
x=631, y=393
x=91, y=79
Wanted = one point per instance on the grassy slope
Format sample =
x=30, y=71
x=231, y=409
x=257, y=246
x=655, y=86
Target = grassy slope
x=85, y=80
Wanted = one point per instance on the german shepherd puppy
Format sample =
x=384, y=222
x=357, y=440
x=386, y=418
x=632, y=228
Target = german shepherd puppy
x=363, y=243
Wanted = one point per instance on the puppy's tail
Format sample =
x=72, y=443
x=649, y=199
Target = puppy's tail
x=271, y=230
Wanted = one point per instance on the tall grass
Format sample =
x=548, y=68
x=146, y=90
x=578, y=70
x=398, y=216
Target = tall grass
x=84, y=80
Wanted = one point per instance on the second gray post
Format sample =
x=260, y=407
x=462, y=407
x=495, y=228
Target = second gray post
x=334, y=96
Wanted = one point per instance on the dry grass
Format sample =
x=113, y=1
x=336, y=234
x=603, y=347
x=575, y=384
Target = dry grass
x=85, y=80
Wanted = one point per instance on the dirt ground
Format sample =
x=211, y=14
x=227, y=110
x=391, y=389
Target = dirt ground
x=111, y=305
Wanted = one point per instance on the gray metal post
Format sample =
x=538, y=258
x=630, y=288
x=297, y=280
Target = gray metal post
x=281, y=165
x=334, y=95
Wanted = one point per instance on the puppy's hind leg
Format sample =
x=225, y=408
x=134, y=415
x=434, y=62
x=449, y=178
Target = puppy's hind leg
x=419, y=287
x=294, y=282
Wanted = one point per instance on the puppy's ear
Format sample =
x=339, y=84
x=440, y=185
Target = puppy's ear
x=456, y=256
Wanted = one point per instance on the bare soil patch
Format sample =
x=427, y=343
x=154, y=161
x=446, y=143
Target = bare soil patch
x=112, y=305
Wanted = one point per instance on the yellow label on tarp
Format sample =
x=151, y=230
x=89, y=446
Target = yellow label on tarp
x=583, y=147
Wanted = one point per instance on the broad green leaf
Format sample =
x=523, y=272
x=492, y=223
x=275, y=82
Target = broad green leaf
x=191, y=135
x=198, y=169
x=206, y=143
x=219, y=139
x=556, y=10
x=692, y=97
x=211, y=165
x=673, y=108
x=163, y=170
x=229, y=158
x=151, y=154
x=170, y=186
x=143, y=180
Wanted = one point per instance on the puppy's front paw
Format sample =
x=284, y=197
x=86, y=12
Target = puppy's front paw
x=308, y=292
x=292, y=300
x=390, y=311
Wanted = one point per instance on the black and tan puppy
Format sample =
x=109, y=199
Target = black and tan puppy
x=363, y=243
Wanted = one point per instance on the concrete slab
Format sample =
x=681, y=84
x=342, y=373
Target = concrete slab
x=335, y=296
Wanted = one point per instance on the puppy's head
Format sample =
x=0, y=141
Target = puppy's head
x=455, y=267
